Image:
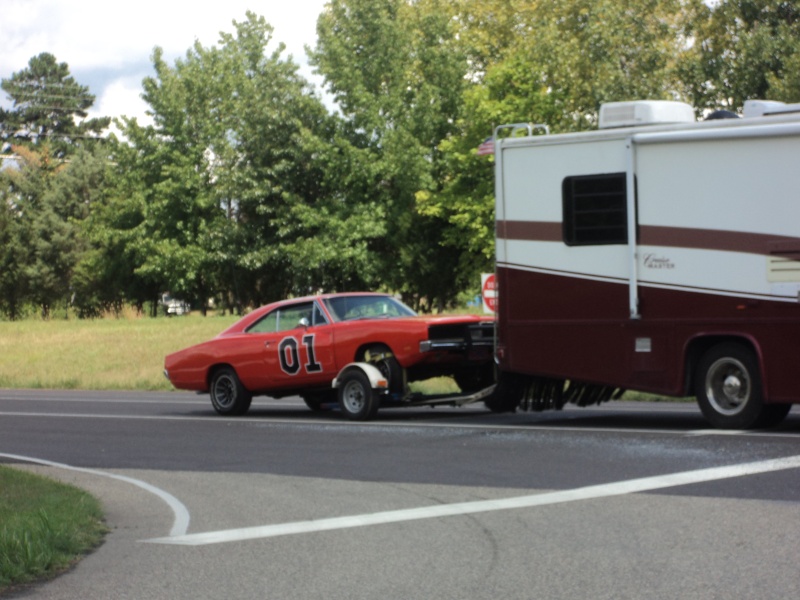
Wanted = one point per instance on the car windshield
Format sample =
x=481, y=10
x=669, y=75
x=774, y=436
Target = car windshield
x=348, y=308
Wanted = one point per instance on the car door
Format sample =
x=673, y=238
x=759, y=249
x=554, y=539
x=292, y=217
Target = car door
x=296, y=345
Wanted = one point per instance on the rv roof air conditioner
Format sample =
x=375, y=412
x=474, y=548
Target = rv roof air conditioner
x=765, y=108
x=644, y=112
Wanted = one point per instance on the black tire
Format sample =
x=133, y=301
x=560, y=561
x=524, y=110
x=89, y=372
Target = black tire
x=357, y=400
x=729, y=389
x=383, y=359
x=320, y=402
x=507, y=395
x=773, y=414
x=475, y=379
x=228, y=396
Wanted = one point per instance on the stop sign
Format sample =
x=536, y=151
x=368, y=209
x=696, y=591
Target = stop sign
x=489, y=292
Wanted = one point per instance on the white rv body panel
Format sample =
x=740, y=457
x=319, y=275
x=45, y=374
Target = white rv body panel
x=699, y=197
x=607, y=262
x=631, y=257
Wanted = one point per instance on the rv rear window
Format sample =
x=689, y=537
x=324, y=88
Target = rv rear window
x=595, y=210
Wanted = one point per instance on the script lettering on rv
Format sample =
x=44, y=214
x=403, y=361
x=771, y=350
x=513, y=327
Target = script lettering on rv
x=652, y=261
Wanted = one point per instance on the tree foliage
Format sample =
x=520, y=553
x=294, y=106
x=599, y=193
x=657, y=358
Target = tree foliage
x=242, y=184
x=47, y=202
x=46, y=101
x=743, y=49
x=246, y=187
x=396, y=72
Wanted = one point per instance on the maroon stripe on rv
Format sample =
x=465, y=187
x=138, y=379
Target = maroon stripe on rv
x=676, y=237
x=713, y=239
x=539, y=231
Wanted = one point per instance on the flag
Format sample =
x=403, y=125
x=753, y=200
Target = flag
x=487, y=147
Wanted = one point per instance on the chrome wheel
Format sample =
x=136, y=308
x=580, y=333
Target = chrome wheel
x=728, y=386
x=729, y=389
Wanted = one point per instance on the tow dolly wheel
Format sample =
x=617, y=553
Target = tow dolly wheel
x=357, y=400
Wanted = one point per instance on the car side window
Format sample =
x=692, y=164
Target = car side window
x=319, y=316
x=289, y=316
x=267, y=324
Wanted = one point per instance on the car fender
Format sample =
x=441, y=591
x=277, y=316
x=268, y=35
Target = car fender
x=376, y=379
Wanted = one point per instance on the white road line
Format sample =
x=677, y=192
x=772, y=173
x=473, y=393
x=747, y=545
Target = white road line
x=464, y=508
x=522, y=426
x=180, y=524
x=722, y=432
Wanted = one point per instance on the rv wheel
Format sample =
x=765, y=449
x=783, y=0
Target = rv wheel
x=507, y=395
x=729, y=391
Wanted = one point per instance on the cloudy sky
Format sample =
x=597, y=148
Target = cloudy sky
x=108, y=43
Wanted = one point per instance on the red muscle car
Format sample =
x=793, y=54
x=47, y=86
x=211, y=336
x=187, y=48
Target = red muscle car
x=299, y=346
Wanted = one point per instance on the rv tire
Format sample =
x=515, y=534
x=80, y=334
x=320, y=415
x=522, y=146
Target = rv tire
x=729, y=390
x=507, y=395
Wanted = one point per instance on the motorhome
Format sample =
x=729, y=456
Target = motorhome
x=658, y=253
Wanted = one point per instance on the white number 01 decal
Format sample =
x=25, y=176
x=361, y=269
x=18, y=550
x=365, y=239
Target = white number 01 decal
x=289, y=355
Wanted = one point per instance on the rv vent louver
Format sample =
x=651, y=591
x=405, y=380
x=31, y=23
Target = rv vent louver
x=783, y=269
x=783, y=262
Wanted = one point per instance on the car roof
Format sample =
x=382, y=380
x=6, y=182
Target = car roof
x=324, y=297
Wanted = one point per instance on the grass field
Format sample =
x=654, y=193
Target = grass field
x=100, y=354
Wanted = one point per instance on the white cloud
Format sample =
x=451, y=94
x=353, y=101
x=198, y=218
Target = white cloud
x=108, y=44
x=122, y=97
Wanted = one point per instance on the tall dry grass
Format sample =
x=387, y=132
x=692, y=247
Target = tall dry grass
x=113, y=353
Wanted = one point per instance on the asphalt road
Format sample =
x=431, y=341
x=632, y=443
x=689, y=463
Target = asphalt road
x=623, y=501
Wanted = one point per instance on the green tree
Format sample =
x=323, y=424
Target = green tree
x=79, y=190
x=743, y=49
x=549, y=63
x=13, y=253
x=47, y=203
x=239, y=189
x=396, y=72
x=48, y=196
x=46, y=102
